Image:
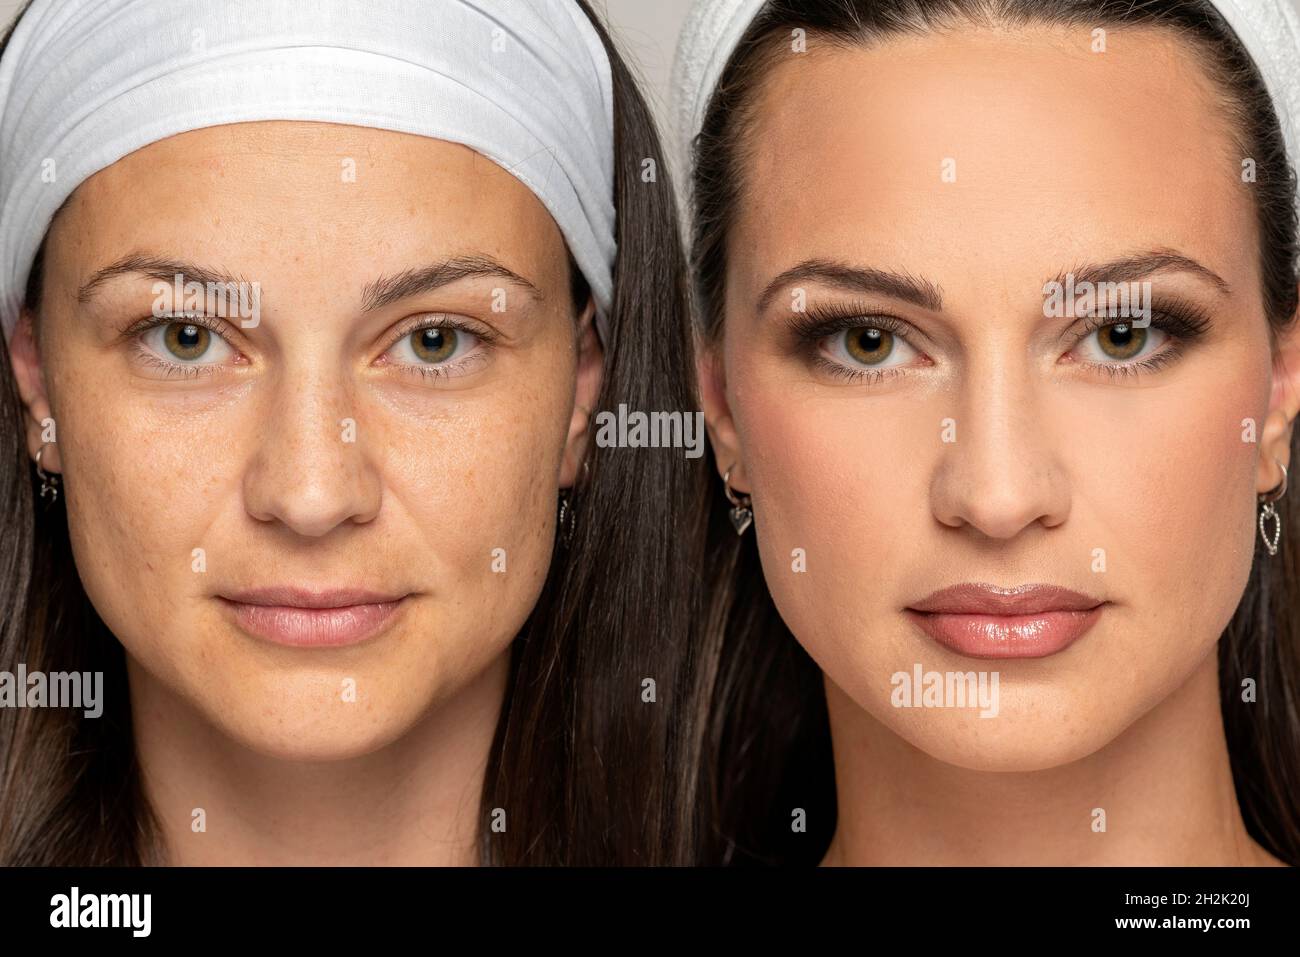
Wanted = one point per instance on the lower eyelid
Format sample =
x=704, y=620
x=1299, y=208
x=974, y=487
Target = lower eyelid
x=151, y=358
x=462, y=366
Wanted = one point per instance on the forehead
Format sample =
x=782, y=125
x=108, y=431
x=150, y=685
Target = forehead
x=270, y=190
x=972, y=150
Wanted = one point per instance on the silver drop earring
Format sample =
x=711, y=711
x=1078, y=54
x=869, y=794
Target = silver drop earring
x=1269, y=514
x=742, y=512
x=49, y=482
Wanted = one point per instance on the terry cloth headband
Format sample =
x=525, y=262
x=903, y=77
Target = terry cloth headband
x=524, y=82
x=1269, y=29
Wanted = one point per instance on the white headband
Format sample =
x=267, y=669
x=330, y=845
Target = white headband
x=1270, y=30
x=527, y=84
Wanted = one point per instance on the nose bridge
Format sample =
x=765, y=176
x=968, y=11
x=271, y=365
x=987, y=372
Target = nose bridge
x=310, y=470
x=1002, y=470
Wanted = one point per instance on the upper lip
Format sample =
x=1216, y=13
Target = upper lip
x=291, y=596
x=977, y=598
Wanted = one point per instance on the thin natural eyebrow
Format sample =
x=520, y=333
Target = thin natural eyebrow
x=412, y=282
x=375, y=295
x=154, y=267
x=1139, y=265
x=865, y=279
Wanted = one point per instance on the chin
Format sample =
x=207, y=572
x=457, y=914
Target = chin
x=312, y=738
x=1029, y=733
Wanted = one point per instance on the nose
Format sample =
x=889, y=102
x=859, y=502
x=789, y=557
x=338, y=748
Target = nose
x=1001, y=473
x=310, y=470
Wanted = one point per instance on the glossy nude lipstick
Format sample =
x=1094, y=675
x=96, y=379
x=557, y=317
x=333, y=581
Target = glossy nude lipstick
x=312, y=618
x=985, y=621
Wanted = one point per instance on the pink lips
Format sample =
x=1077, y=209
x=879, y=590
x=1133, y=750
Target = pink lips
x=984, y=621
x=308, y=618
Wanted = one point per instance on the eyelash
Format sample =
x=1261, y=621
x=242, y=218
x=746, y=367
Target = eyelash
x=1182, y=323
x=137, y=331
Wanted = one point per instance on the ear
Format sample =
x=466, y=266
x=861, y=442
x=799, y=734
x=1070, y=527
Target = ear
x=712, y=376
x=25, y=359
x=1283, y=407
x=591, y=371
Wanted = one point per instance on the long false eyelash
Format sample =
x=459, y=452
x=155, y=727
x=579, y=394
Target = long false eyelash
x=820, y=321
x=1180, y=321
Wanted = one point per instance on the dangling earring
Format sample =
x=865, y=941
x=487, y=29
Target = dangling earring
x=49, y=482
x=1269, y=514
x=565, y=520
x=742, y=512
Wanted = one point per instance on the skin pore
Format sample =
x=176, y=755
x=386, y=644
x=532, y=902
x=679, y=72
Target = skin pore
x=374, y=752
x=981, y=440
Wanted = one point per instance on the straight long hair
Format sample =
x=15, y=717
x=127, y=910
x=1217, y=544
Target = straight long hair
x=589, y=772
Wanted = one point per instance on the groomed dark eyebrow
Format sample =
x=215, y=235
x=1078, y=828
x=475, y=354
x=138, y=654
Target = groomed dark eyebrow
x=375, y=295
x=1139, y=265
x=922, y=292
x=864, y=279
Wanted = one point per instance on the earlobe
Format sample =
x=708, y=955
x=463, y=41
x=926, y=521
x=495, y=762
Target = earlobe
x=1284, y=406
x=590, y=375
x=24, y=358
x=717, y=416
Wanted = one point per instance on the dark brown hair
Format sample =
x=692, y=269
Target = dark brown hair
x=588, y=772
x=769, y=740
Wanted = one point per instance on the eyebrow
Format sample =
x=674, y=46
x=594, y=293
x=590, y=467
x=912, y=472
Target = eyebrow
x=375, y=295
x=1135, y=267
x=920, y=292
x=923, y=293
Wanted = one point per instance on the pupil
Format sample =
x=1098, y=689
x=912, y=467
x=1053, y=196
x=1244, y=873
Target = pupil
x=869, y=340
x=432, y=339
x=188, y=337
x=1121, y=334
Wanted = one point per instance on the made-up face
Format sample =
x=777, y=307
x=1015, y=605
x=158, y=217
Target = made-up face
x=914, y=405
x=378, y=421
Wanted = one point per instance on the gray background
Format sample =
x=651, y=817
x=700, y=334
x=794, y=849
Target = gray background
x=646, y=31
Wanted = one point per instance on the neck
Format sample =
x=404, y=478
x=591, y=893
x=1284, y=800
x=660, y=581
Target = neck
x=1165, y=784
x=414, y=801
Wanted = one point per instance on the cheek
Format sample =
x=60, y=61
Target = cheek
x=839, y=487
x=145, y=489
x=1167, y=491
x=479, y=489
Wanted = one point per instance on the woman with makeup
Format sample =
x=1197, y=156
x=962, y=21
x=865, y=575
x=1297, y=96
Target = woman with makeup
x=306, y=316
x=1015, y=580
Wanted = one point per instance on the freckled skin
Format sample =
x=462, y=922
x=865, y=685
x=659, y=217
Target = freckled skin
x=249, y=464
x=1061, y=159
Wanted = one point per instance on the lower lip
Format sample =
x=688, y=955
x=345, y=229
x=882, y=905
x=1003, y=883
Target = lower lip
x=314, y=627
x=1035, y=635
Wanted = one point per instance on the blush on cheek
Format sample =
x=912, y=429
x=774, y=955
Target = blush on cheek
x=1173, y=500
x=845, y=482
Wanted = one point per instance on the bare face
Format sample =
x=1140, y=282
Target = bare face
x=905, y=411
x=403, y=438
